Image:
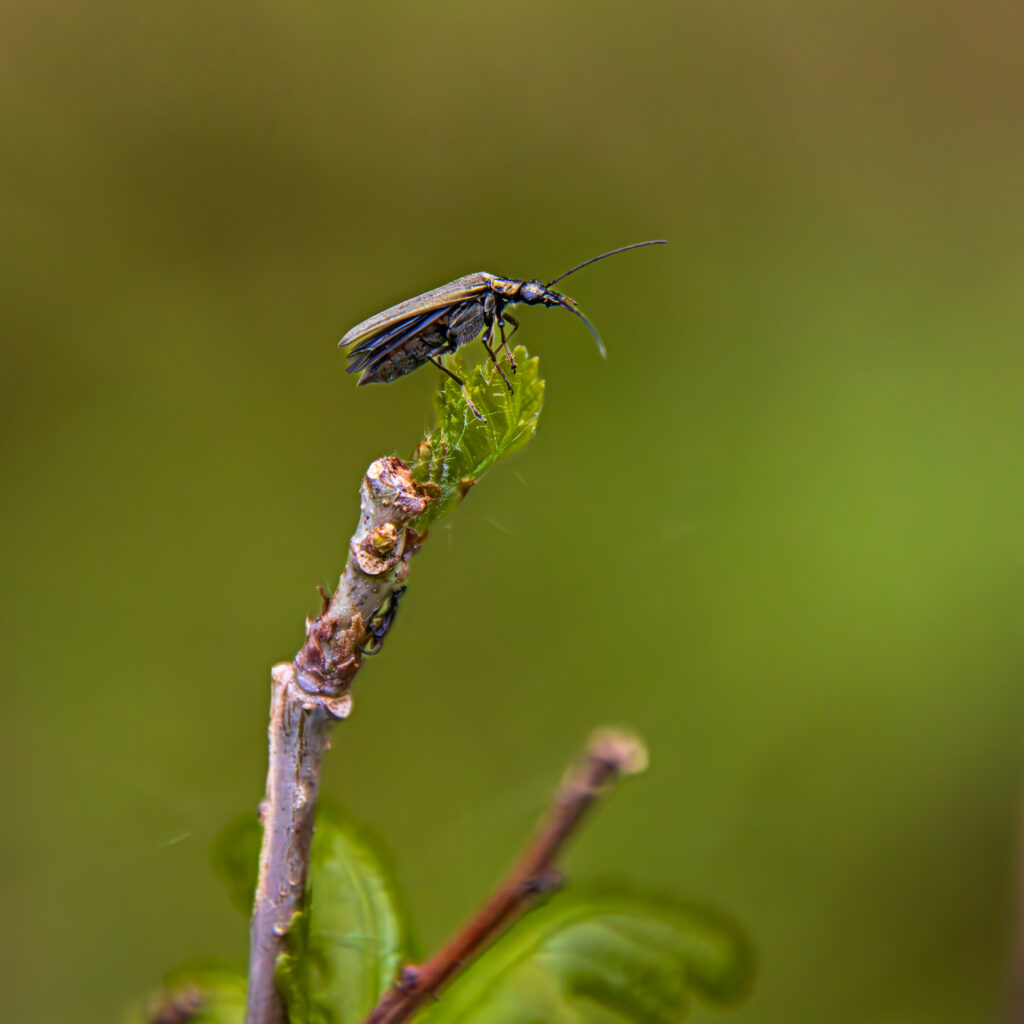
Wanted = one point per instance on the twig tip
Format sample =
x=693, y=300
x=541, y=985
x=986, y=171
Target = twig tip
x=622, y=751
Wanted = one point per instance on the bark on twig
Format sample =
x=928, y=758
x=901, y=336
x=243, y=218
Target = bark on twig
x=609, y=756
x=308, y=695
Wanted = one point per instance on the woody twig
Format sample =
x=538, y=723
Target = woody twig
x=308, y=695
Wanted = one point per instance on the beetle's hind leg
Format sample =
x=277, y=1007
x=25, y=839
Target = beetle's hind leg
x=458, y=380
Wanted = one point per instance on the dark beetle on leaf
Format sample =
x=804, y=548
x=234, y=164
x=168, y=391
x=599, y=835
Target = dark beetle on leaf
x=421, y=330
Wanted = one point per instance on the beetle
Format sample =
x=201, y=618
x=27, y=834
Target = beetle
x=420, y=330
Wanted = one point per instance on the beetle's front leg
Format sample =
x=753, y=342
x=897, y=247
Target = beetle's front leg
x=485, y=338
x=491, y=317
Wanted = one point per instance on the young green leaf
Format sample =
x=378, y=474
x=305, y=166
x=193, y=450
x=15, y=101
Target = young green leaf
x=292, y=969
x=354, y=931
x=600, y=959
x=197, y=994
x=235, y=857
x=461, y=448
x=358, y=938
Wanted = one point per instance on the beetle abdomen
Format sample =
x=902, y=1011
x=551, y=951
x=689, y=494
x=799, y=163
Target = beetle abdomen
x=444, y=334
x=408, y=356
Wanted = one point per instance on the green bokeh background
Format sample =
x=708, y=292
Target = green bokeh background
x=778, y=531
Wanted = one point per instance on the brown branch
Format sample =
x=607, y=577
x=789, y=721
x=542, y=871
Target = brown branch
x=308, y=695
x=1014, y=1013
x=610, y=755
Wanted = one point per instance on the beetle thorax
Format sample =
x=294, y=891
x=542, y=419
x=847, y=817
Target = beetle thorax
x=504, y=288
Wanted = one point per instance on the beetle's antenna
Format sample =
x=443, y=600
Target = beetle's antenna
x=604, y=255
x=590, y=326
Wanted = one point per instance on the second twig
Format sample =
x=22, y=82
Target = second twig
x=610, y=755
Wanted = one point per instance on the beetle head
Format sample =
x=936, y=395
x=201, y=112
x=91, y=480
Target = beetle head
x=536, y=293
x=533, y=292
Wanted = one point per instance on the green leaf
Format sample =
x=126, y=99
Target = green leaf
x=461, y=448
x=358, y=937
x=601, y=959
x=198, y=994
x=357, y=934
x=236, y=856
x=291, y=970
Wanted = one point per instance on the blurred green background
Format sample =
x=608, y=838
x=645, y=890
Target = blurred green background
x=778, y=531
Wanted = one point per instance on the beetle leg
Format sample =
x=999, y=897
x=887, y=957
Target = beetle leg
x=458, y=380
x=385, y=623
x=485, y=338
x=374, y=648
x=504, y=341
